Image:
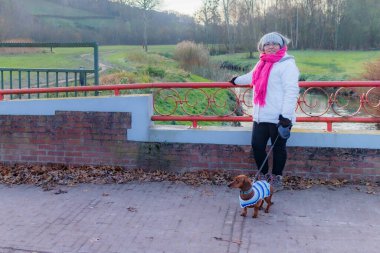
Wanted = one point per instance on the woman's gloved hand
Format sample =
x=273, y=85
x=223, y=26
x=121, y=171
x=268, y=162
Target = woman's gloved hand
x=233, y=80
x=285, y=122
x=284, y=125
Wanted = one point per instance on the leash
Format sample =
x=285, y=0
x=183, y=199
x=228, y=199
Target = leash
x=266, y=158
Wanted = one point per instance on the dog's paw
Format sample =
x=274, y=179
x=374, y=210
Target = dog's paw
x=243, y=214
x=254, y=216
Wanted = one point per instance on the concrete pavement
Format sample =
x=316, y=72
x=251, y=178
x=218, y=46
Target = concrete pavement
x=168, y=217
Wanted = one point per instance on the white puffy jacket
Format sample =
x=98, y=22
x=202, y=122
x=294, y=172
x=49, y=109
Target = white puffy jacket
x=282, y=91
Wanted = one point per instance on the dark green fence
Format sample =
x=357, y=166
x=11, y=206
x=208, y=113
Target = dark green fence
x=18, y=78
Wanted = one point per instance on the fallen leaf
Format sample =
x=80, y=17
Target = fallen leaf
x=132, y=209
x=60, y=192
x=225, y=240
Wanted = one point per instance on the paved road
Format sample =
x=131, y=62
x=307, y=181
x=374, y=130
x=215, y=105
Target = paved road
x=166, y=217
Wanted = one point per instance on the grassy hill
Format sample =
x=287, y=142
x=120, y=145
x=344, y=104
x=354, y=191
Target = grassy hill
x=59, y=15
x=103, y=21
x=46, y=7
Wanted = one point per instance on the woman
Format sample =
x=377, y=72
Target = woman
x=275, y=83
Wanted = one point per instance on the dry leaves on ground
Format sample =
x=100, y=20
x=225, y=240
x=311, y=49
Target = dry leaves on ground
x=299, y=183
x=50, y=176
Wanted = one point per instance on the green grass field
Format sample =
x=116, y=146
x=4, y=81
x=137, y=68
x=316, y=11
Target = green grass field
x=317, y=65
x=334, y=65
x=59, y=58
x=313, y=65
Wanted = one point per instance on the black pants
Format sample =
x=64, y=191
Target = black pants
x=260, y=136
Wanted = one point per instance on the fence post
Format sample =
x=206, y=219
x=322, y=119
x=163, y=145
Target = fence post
x=96, y=66
x=96, y=63
x=82, y=76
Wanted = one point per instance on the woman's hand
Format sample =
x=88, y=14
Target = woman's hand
x=284, y=125
x=284, y=122
x=233, y=80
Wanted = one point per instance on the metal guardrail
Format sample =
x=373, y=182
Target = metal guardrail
x=364, y=95
x=11, y=78
x=42, y=77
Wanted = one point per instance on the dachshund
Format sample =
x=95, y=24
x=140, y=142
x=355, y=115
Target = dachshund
x=252, y=195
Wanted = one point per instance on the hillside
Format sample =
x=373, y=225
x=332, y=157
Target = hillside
x=88, y=20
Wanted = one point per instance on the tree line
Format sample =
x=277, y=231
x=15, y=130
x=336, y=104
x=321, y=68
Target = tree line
x=310, y=24
x=235, y=24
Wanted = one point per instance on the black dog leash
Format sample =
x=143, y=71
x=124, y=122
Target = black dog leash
x=266, y=158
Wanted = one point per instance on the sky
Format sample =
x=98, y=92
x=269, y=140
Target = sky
x=182, y=6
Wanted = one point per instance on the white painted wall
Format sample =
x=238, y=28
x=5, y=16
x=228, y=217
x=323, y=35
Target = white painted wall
x=141, y=107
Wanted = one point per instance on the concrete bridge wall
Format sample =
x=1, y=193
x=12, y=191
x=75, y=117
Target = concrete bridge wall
x=117, y=131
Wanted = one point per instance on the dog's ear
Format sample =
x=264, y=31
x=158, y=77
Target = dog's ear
x=248, y=180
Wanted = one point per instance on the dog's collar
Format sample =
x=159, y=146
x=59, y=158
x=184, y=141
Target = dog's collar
x=247, y=192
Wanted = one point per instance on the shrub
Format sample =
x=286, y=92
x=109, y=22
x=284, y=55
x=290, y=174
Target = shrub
x=218, y=50
x=155, y=71
x=124, y=77
x=191, y=55
x=137, y=56
x=372, y=70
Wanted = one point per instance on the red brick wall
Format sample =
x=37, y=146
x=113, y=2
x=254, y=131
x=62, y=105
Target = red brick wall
x=99, y=138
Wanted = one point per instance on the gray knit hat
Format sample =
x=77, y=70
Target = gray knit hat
x=272, y=37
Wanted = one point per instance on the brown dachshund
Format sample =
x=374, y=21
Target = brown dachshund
x=252, y=195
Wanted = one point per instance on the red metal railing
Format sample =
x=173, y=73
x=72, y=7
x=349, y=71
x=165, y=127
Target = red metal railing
x=361, y=97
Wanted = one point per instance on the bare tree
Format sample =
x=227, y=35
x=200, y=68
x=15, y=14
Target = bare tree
x=208, y=15
x=146, y=6
x=336, y=10
x=227, y=5
x=203, y=17
x=297, y=6
x=250, y=8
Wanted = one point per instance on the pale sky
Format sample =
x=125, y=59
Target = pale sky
x=182, y=6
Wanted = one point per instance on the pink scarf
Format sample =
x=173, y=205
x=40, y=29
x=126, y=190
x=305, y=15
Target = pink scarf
x=261, y=74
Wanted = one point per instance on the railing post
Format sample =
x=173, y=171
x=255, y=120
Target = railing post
x=38, y=83
x=329, y=126
x=29, y=82
x=96, y=63
x=11, y=81
x=82, y=76
x=96, y=66
x=47, y=82
x=2, y=80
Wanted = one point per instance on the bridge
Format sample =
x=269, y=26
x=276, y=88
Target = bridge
x=120, y=130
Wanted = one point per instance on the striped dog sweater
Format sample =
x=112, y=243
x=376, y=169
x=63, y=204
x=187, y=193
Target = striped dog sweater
x=261, y=190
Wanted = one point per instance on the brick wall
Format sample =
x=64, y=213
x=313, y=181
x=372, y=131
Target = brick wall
x=99, y=138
